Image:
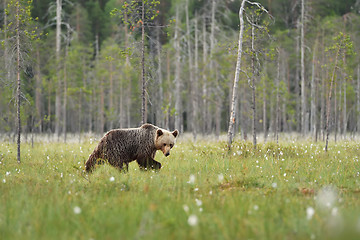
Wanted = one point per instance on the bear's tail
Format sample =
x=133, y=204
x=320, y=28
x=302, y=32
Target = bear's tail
x=90, y=163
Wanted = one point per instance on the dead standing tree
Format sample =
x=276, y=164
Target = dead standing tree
x=20, y=33
x=234, y=97
x=140, y=14
x=342, y=47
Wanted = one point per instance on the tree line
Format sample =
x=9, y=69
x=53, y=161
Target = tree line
x=92, y=71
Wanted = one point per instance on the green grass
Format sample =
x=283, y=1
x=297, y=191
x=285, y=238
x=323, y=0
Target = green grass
x=244, y=194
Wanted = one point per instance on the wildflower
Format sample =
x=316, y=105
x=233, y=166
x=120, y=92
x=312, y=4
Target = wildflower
x=191, y=179
x=310, y=213
x=4, y=181
x=256, y=207
x=220, y=177
x=198, y=202
x=77, y=210
x=112, y=179
x=334, y=211
x=274, y=185
x=193, y=220
x=186, y=208
x=326, y=197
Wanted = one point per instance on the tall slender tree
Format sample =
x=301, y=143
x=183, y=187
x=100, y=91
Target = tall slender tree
x=20, y=32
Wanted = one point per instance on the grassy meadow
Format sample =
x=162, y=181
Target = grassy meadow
x=293, y=190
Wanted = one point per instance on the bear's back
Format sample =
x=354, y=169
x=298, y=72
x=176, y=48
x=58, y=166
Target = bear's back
x=130, y=143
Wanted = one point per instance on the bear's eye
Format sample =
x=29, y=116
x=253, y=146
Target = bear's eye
x=164, y=144
x=171, y=145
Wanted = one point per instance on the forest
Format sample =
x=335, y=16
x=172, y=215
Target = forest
x=90, y=66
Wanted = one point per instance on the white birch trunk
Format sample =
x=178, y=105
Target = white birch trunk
x=57, y=51
x=313, y=93
x=204, y=86
x=178, y=108
x=191, y=75
x=236, y=79
x=159, y=118
x=303, y=94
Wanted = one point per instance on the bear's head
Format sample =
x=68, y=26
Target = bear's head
x=165, y=140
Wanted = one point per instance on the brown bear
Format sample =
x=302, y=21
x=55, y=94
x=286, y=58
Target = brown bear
x=121, y=146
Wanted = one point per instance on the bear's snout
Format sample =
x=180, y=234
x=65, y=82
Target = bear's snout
x=167, y=154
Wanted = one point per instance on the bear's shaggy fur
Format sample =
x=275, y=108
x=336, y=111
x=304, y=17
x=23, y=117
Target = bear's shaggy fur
x=121, y=146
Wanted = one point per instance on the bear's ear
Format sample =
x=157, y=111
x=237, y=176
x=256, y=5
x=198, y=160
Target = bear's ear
x=175, y=133
x=159, y=133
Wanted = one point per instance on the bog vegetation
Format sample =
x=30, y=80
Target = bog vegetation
x=291, y=190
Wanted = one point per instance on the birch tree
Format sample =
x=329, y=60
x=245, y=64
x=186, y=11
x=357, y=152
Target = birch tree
x=57, y=54
x=233, y=102
x=303, y=86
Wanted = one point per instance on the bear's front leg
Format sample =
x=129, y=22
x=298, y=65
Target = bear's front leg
x=148, y=163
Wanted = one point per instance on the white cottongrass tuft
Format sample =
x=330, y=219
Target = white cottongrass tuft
x=191, y=179
x=186, y=208
x=198, y=202
x=220, y=177
x=274, y=185
x=327, y=196
x=193, y=220
x=256, y=207
x=4, y=181
x=310, y=213
x=112, y=179
x=77, y=210
x=334, y=212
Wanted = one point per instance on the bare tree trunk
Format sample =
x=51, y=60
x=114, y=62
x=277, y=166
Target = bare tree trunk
x=344, y=109
x=127, y=76
x=264, y=103
x=18, y=89
x=358, y=99
x=58, y=48
x=303, y=94
x=143, y=87
x=38, y=97
x=297, y=81
x=111, y=95
x=178, y=107
x=193, y=85
x=6, y=47
x=101, y=82
x=236, y=79
x=277, y=100
x=196, y=78
x=168, y=93
x=65, y=85
x=204, y=86
x=329, y=101
x=253, y=87
x=159, y=113
x=313, y=93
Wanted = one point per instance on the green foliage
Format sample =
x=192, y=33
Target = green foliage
x=131, y=13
